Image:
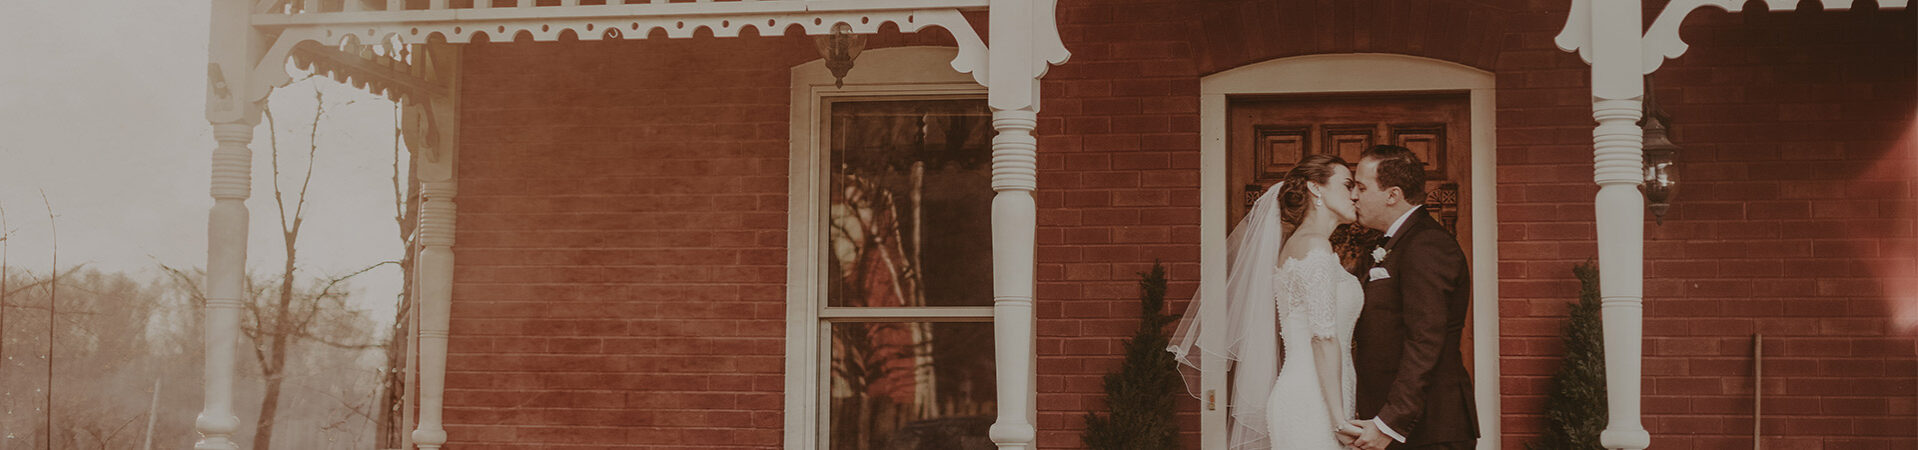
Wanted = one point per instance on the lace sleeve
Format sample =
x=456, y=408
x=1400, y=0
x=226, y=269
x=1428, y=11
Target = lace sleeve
x=1316, y=291
x=1286, y=291
x=1307, y=290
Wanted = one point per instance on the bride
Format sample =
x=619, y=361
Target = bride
x=1284, y=284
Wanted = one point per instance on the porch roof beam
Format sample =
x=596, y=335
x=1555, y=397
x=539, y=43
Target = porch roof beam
x=588, y=23
x=480, y=16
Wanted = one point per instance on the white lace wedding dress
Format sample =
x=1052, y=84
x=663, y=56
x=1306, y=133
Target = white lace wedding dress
x=1316, y=298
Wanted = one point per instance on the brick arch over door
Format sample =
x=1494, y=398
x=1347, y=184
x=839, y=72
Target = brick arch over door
x=1235, y=33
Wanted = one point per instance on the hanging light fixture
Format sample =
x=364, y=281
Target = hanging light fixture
x=1661, y=158
x=840, y=48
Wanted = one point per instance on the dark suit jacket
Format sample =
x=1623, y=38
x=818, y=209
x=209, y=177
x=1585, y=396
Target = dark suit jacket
x=1410, y=371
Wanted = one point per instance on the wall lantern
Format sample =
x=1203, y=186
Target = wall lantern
x=1661, y=158
x=839, y=49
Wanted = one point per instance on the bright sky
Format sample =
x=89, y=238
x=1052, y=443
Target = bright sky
x=101, y=106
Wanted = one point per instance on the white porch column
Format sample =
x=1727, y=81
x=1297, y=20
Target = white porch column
x=232, y=49
x=1024, y=40
x=1617, y=90
x=432, y=127
x=1014, y=222
x=225, y=277
x=435, y=286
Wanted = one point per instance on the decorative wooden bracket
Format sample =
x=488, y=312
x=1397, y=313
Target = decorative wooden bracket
x=386, y=73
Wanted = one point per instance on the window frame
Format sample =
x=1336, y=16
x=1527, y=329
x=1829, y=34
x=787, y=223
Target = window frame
x=903, y=73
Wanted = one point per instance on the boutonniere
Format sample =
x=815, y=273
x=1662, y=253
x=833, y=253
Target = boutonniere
x=1378, y=254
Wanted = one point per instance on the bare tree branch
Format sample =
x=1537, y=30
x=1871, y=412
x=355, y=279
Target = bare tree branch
x=273, y=144
x=43, y=308
x=399, y=202
x=326, y=292
x=393, y=416
x=335, y=282
x=334, y=344
x=312, y=152
x=37, y=284
x=352, y=409
x=108, y=439
x=7, y=274
x=53, y=299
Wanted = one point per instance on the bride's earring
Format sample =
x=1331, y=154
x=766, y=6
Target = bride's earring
x=1318, y=201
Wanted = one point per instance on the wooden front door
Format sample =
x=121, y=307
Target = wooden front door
x=1267, y=135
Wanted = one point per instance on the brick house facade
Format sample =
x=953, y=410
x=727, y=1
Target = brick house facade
x=621, y=271
x=623, y=268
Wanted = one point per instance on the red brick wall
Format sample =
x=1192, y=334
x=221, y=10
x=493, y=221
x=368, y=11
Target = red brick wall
x=1118, y=188
x=621, y=253
x=1797, y=183
x=621, y=245
x=1238, y=33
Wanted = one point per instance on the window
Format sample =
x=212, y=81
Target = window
x=907, y=274
x=889, y=334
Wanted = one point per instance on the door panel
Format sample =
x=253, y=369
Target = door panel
x=1267, y=135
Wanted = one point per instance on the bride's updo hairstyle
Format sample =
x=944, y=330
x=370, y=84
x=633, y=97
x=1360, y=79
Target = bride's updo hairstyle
x=1294, y=197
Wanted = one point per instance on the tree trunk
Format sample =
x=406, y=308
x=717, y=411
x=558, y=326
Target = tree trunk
x=269, y=406
x=393, y=382
x=273, y=370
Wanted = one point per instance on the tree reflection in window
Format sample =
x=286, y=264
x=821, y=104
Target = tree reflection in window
x=910, y=227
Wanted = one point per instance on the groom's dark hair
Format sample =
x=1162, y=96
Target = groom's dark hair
x=1399, y=168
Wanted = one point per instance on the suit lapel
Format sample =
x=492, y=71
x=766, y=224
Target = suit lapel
x=1389, y=263
x=1414, y=221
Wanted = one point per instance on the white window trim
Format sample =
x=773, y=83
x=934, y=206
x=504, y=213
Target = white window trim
x=879, y=73
x=1355, y=73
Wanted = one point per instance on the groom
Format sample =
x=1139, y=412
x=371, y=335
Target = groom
x=1413, y=391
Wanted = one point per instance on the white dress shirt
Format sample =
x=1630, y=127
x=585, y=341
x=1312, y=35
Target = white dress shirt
x=1389, y=232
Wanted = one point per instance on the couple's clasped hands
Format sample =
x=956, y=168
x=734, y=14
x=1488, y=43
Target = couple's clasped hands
x=1363, y=435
